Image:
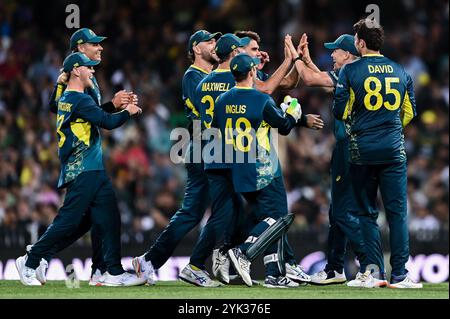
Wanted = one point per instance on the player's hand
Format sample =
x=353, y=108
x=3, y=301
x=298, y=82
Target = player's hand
x=62, y=78
x=313, y=121
x=304, y=49
x=291, y=47
x=120, y=99
x=264, y=59
x=292, y=107
x=133, y=98
x=287, y=51
x=133, y=109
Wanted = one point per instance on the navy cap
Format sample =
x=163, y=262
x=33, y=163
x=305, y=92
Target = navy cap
x=77, y=59
x=345, y=42
x=84, y=35
x=201, y=36
x=228, y=42
x=242, y=63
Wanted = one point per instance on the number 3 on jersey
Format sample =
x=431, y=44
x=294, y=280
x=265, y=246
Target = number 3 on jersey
x=238, y=143
x=375, y=92
x=210, y=110
x=62, y=137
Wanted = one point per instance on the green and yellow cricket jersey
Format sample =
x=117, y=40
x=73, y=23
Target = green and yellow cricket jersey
x=78, y=121
x=339, y=127
x=375, y=96
x=262, y=76
x=244, y=117
x=93, y=92
x=191, y=79
x=208, y=90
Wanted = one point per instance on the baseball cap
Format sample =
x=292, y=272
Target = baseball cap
x=228, y=42
x=242, y=63
x=77, y=59
x=201, y=36
x=84, y=35
x=345, y=42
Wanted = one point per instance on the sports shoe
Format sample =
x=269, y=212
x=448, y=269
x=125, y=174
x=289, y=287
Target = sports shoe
x=330, y=277
x=41, y=269
x=198, y=277
x=406, y=283
x=27, y=275
x=144, y=269
x=241, y=264
x=297, y=274
x=366, y=280
x=280, y=282
x=221, y=266
x=355, y=282
x=123, y=280
x=96, y=278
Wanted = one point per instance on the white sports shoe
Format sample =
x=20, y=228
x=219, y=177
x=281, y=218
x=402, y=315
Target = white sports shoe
x=297, y=274
x=355, y=282
x=280, y=282
x=366, y=280
x=144, y=269
x=27, y=275
x=328, y=278
x=123, y=280
x=241, y=264
x=41, y=269
x=406, y=283
x=96, y=279
x=221, y=266
x=197, y=277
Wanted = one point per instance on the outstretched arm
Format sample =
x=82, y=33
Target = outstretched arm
x=308, y=72
x=271, y=84
x=89, y=111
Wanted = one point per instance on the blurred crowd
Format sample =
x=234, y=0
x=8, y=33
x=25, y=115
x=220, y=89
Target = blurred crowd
x=146, y=53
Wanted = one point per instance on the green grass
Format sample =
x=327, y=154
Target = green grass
x=181, y=290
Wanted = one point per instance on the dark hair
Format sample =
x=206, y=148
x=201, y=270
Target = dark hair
x=239, y=76
x=371, y=32
x=222, y=59
x=250, y=34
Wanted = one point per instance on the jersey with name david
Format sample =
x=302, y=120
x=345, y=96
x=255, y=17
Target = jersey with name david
x=376, y=97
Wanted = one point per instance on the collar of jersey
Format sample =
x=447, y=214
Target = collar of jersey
x=244, y=87
x=198, y=68
x=222, y=70
x=372, y=54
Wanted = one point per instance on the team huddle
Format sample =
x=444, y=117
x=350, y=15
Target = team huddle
x=236, y=171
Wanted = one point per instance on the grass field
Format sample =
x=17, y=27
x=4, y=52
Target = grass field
x=181, y=290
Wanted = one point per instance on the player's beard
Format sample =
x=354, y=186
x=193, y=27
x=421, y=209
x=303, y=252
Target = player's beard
x=210, y=58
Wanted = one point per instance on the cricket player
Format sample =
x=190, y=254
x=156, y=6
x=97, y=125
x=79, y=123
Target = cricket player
x=223, y=203
x=82, y=173
x=344, y=224
x=244, y=110
x=242, y=225
x=87, y=42
x=196, y=199
x=375, y=97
